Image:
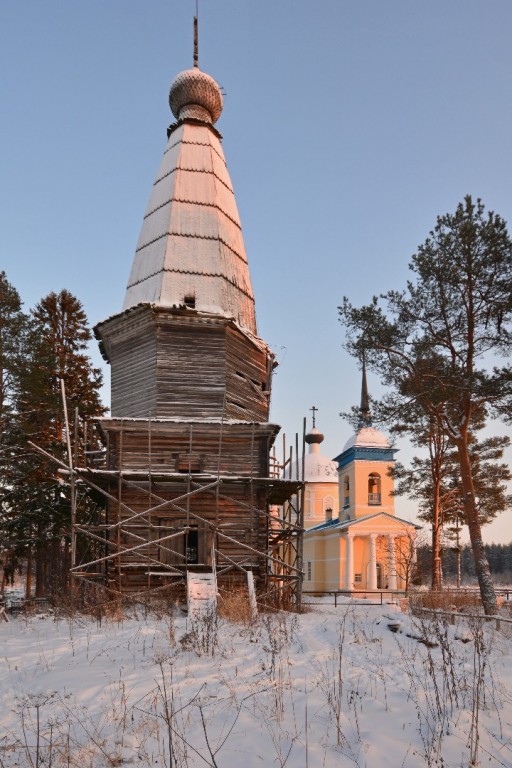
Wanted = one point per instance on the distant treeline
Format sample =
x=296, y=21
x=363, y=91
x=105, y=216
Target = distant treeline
x=498, y=555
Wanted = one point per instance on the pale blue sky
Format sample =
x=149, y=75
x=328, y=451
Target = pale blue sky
x=348, y=127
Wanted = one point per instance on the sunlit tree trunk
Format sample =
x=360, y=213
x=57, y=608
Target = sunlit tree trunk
x=483, y=571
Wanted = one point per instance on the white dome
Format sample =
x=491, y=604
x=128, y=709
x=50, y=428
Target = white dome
x=319, y=469
x=367, y=437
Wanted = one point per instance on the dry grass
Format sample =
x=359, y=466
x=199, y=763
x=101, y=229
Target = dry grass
x=233, y=605
x=447, y=600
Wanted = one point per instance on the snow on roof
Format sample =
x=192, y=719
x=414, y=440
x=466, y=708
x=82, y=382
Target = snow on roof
x=318, y=468
x=367, y=437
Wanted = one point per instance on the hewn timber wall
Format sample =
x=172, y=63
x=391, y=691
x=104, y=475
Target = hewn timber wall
x=236, y=525
x=248, y=378
x=133, y=372
x=225, y=448
x=169, y=363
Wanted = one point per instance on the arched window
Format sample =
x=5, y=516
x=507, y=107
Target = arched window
x=328, y=507
x=374, y=495
x=346, y=491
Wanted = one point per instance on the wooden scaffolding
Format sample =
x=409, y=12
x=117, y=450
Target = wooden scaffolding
x=174, y=497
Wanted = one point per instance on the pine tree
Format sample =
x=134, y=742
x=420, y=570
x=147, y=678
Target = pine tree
x=425, y=481
x=433, y=341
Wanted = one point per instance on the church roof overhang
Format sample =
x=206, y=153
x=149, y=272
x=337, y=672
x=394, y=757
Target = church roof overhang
x=278, y=490
x=172, y=424
x=140, y=312
x=357, y=453
x=345, y=525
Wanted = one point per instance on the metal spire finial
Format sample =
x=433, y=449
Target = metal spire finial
x=196, y=41
x=314, y=409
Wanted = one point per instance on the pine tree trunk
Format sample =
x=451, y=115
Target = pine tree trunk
x=28, y=583
x=482, y=569
x=437, y=582
x=40, y=570
x=66, y=578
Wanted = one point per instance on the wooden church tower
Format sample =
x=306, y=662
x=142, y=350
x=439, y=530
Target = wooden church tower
x=187, y=474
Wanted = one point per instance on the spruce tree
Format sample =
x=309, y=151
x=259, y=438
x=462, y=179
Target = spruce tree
x=58, y=339
x=13, y=331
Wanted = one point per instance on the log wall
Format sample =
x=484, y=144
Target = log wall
x=169, y=363
x=239, y=449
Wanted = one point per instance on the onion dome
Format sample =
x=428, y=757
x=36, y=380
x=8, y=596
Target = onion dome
x=315, y=436
x=195, y=94
x=317, y=467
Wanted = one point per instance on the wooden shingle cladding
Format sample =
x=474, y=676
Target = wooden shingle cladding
x=179, y=363
x=191, y=242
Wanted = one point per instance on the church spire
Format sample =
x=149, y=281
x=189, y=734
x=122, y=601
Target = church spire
x=365, y=413
x=191, y=254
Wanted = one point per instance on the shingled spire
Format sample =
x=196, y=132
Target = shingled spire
x=191, y=250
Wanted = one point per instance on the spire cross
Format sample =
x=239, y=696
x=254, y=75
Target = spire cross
x=314, y=409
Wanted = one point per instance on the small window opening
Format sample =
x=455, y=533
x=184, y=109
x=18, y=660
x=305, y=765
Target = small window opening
x=192, y=547
x=190, y=301
x=328, y=508
x=346, y=491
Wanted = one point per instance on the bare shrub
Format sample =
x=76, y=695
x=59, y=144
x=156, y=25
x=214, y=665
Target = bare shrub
x=204, y=632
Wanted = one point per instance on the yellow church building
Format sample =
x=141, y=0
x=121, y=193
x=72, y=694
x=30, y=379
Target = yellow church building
x=365, y=546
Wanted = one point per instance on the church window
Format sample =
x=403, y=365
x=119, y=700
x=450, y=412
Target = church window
x=346, y=491
x=374, y=489
x=182, y=544
x=328, y=507
x=358, y=578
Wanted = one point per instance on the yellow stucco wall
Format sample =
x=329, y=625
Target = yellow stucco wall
x=325, y=555
x=315, y=497
x=358, y=473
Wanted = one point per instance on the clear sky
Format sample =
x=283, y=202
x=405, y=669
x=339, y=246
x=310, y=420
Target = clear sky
x=348, y=127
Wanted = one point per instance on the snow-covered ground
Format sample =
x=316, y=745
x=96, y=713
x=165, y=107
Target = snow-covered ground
x=331, y=687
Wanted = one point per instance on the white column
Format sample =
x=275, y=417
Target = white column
x=392, y=562
x=349, y=563
x=373, y=562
